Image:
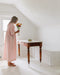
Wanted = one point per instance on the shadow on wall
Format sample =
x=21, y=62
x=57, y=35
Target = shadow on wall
x=28, y=29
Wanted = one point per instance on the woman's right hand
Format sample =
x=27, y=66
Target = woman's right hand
x=17, y=31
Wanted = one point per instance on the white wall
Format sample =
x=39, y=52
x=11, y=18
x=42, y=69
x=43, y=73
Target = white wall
x=41, y=12
x=46, y=15
x=28, y=29
x=50, y=35
x=49, y=32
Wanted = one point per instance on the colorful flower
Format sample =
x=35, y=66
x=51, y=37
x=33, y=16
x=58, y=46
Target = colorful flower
x=18, y=25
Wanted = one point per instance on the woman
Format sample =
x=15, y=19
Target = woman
x=10, y=42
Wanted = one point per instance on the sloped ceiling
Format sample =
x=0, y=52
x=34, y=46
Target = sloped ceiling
x=41, y=12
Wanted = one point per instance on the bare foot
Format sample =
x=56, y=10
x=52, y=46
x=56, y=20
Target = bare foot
x=11, y=64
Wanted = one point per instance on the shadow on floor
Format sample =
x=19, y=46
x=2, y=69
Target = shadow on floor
x=11, y=71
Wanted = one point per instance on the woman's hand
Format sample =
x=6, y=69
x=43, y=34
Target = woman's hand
x=17, y=31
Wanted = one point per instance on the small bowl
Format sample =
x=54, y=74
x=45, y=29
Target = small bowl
x=29, y=39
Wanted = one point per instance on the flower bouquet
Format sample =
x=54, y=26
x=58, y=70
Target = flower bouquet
x=18, y=25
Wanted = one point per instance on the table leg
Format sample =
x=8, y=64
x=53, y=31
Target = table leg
x=40, y=53
x=28, y=56
x=19, y=49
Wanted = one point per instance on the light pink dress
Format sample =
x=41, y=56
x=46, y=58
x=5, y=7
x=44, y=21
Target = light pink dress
x=10, y=44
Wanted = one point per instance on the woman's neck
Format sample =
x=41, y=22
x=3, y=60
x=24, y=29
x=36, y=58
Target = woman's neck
x=12, y=22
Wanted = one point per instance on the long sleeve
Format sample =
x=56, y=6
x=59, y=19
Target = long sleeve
x=12, y=30
x=10, y=44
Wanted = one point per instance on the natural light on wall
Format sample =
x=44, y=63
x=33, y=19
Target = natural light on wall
x=5, y=23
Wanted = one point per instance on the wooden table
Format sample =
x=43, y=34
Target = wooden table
x=29, y=44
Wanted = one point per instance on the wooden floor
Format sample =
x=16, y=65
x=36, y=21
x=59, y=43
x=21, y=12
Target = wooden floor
x=22, y=68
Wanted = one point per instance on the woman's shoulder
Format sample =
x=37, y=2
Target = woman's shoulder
x=11, y=25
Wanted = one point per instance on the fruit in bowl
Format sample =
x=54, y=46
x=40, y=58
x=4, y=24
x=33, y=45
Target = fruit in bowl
x=29, y=39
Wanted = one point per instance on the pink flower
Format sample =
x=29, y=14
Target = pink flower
x=19, y=25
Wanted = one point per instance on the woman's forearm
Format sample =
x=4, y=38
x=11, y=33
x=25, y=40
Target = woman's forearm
x=17, y=31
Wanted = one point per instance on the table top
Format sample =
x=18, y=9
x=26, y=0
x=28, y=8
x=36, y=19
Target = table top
x=26, y=41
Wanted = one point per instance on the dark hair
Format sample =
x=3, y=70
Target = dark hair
x=14, y=19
